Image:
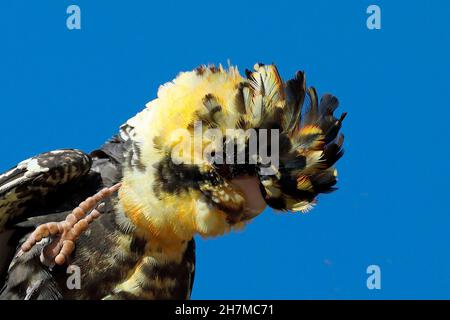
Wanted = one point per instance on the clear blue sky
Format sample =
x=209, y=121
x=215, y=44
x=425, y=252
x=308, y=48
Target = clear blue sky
x=62, y=88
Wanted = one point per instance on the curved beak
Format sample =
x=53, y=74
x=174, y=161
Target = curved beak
x=250, y=188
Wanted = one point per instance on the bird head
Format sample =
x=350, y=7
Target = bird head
x=214, y=148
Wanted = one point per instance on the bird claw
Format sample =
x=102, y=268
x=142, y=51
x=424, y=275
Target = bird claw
x=66, y=233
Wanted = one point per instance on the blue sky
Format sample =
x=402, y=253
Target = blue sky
x=72, y=89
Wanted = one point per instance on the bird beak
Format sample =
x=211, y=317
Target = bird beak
x=254, y=201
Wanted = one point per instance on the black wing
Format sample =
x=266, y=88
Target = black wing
x=32, y=183
x=45, y=187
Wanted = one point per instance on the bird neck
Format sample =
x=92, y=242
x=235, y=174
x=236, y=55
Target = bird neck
x=155, y=220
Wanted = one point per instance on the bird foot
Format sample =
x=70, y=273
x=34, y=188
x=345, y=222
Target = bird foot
x=65, y=233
